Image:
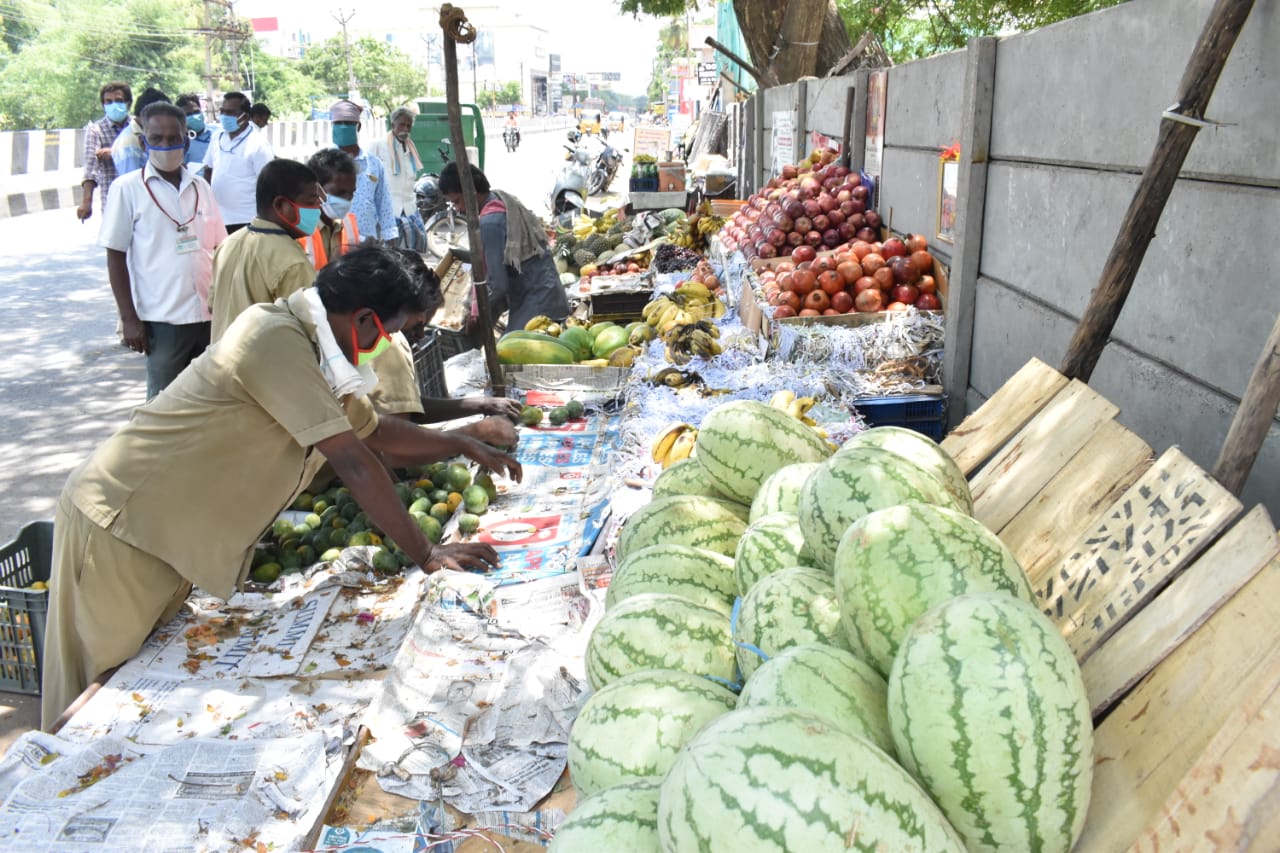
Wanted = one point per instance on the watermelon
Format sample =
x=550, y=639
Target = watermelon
x=771, y=543
x=989, y=712
x=657, y=631
x=786, y=781
x=781, y=491
x=896, y=563
x=704, y=577
x=921, y=450
x=633, y=727
x=741, y=443
x=826, y=681
x=787, y=608
x=685, y=477
x=855, y=483
x=684, y=520
x=624, y=817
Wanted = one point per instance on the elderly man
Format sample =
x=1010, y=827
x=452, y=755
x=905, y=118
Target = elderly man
x=238, y=436
x=237, y=153
x=401, y=163
x=160, y=229
x=372, y=202
x=99, y=169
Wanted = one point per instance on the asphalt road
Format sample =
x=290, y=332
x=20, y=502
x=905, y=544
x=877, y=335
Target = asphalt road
x=66, y=382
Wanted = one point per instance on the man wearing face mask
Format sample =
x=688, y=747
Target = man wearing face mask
x=264, y=262
x=99, y=169
x=196, y=130
x=160, y=229
x=127, y=152
x=237, y=153
x=372, y=201
x=401, y=163
x=338, y=232
x=238, y=436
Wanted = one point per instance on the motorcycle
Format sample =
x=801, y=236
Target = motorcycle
x=445, y=225
x=569, y=192
x=511, y=138
x=604, y=170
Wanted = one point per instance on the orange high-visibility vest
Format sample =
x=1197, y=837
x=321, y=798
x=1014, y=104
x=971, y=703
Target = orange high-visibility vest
x=348, y=239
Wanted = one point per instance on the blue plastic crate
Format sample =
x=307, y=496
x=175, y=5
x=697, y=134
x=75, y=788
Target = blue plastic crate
x=924, y=413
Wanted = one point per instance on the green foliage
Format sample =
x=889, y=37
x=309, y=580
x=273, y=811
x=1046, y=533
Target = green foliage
x=279, y=83
x=386, y=75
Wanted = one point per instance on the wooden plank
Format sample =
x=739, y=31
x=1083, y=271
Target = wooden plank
x=1230, y=799
x=1148, y=743
x=1037, y=453
x=1160, y=627
x=1159, y=526
x=1075, y=499
x=1008, y=409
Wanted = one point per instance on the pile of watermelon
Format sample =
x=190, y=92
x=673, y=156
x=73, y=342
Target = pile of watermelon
x=831, y=653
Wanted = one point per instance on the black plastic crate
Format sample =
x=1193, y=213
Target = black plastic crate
x=924, y=413
x=454, y=341
x=24, y=612
x=643, y=185
x=619, y=306
x=428, y=363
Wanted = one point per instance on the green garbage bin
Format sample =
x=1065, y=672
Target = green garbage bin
x=431, y=133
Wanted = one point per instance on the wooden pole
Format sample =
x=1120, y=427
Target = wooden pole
x=456, y=29
x=1253, y=419
x=1226, y=19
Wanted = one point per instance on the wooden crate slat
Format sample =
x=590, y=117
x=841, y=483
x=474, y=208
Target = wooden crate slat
x=1151, y=739
x=1022, y=468
x=1158, y=629
x=1160, y=524
x=1096, y=476
x=1230, y=799
x=984, y=431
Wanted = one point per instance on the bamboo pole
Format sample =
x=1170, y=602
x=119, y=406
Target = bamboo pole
x=457, y=29
x=1177, y=131
x=1253, y=419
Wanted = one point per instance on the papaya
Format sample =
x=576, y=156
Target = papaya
x=609, y=340
x=523, y=350
x=577, y=339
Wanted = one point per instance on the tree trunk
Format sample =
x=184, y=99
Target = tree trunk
x=801, y=34
x=761, y=22
x=835, y=41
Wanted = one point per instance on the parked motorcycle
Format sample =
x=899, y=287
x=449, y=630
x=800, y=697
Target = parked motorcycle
x=511, y=138
x=604, y=170
x=446, y=226
x=569, y=192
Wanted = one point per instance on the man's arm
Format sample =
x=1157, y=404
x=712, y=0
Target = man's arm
x=389, y=231
x=133, y=332
x=92, y=172
x=435, y=409
x=402, y=443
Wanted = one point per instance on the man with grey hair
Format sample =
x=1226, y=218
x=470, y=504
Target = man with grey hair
x=401, y=163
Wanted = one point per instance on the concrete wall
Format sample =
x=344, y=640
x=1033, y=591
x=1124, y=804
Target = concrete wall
x=1075, y=110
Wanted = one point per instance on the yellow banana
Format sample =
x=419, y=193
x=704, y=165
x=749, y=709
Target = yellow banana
x=695, y=290
x=781, y=399
x=798, y=407
x=623, y=356
x=594, y=362
x=681, y=449
x=666, y=439
x=537, y=324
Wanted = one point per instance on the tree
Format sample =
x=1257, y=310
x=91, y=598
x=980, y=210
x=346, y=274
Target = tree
x=508, y=93
x=386, y=74
x=278, y=82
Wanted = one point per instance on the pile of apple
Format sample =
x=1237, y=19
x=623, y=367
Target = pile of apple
x=861, y=276
x=817, y=204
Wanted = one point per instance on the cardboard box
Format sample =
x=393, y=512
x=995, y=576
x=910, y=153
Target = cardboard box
x=455, y=284
x=671, y=177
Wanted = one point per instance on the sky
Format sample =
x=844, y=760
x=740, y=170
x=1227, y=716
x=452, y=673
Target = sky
x=591, y=35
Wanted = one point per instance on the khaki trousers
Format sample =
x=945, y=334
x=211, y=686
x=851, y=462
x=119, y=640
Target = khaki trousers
x=105, y=597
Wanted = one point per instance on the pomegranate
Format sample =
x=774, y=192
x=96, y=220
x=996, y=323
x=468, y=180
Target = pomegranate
x=929, y=302
x=865, y=283
x=868, y=300
x=850, y=271
x=907, y=293
x=804, y=254
x=842, y=302
x=831, y=282
x=894, y=248
x=818, y=300
x=783, y=311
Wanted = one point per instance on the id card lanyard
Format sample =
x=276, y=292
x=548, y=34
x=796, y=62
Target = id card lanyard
x=187, y=242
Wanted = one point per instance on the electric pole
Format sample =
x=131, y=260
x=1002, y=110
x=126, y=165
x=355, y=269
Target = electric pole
x=353, y=88
x=208, y=55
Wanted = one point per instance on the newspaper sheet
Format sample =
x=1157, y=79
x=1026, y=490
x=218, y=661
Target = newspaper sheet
x=483, y=692
x=200, y=795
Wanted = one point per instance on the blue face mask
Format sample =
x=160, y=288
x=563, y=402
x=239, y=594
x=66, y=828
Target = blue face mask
x=337, y=207
x=195, y=122
x=116, y=111
x=230, y=123
x=308, y=219
x=344, y=135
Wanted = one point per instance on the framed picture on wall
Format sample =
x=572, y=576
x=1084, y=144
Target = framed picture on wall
x=948, y=188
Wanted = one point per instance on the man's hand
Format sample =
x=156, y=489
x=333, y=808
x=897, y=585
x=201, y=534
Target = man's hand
x=466, y=557
x=104, y=153
x=494, y=460
x=133, y=334
x=498, y=432
x=85, y=210
x=501, y=407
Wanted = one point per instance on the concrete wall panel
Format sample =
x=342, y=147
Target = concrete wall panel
x=925, y=101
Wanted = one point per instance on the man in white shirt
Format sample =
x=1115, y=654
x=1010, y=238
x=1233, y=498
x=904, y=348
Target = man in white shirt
x=236, y=154
x=160, y=229
x=401, y=165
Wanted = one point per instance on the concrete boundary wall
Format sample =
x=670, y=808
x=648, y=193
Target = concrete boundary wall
x=1056, y=127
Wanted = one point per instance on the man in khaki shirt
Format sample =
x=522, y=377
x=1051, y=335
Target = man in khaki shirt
x=264, y=262
x=181, y=494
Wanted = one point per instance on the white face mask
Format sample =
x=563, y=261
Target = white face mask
x=167, y=159
x=336, y=207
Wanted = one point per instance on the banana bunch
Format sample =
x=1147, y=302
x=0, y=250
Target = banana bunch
x=701, y=338
x=543, y=323
x=796, y=407
x=693, y=232
x=583, y=228
x=673, y=377
x=673, y=444
x=687, y=304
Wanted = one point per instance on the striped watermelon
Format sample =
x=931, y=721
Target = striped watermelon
x=771, y=543
x=896, y=563
x=781, y=491
x=704, y=577
x=921, y=450
x=656, y=631
x=741, y=443
x=786, y=781
x=826, y=681
x=684, y=520
x=686, y=477
x=855, y=483
x=787, y=608
x=624, y=817
x=989, y=712
x=633, y=727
